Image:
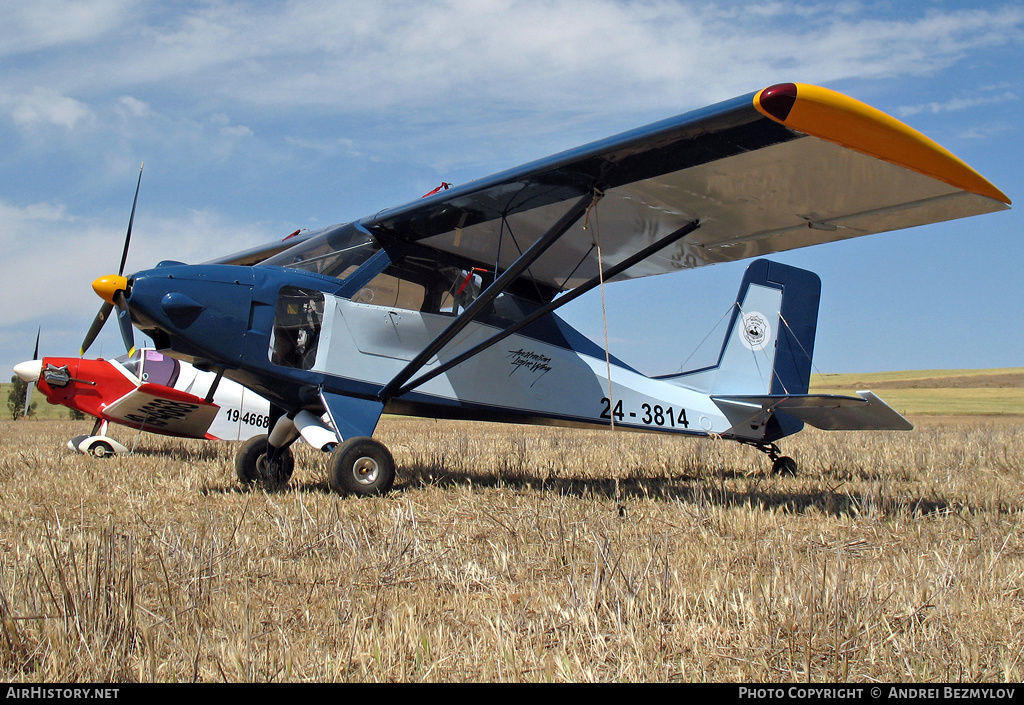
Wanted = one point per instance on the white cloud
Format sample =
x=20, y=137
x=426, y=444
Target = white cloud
x=236, y=131
x=42, y=24
x=438, y=73
x=955, y=104
x=72, y=250
x=130, y=107
x=559, y=55
x=45, y=106
x=17, y=219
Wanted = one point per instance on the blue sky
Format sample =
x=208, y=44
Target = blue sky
x=259, y=118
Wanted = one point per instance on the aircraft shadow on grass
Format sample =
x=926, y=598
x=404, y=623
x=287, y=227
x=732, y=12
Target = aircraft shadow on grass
x=761, y=492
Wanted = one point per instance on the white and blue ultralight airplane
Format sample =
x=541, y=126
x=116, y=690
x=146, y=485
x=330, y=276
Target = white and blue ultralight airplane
x=445, y=307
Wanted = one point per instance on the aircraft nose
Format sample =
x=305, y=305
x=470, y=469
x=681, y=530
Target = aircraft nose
x=107, y=286
x=199, y=311
x=30, y=370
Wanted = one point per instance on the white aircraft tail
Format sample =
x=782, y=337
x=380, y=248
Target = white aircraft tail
x=770, y=339
x=763, y=371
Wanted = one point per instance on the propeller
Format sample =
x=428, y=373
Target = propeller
x=111, y=288
x=31, y=383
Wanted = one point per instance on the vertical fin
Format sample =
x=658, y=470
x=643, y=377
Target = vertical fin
x=770, y=338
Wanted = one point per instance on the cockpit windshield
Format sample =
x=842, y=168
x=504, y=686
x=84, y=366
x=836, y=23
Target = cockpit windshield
x=132, y=363
x=335, y=253
x=151, y=366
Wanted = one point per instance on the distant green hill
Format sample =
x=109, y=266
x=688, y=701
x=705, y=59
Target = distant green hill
x=990, y=392
x=44, y=410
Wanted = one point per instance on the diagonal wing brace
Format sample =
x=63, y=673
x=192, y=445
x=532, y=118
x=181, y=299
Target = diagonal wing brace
x=490, y=293
x=548, y=308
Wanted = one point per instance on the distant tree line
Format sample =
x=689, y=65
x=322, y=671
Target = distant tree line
x=16, y=399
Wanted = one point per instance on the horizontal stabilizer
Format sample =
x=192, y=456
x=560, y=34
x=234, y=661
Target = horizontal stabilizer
x=831, y=412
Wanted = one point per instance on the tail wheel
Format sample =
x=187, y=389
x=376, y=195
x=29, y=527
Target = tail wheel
x=362, y=466
x=251, y=466
x=784, y=465
x=781, y=464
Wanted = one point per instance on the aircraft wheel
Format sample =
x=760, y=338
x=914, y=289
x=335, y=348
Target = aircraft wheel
x=101, y=449
x=784, y=465
x=251, y=465
x=362, y=466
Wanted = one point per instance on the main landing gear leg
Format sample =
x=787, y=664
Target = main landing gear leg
x=359, y=465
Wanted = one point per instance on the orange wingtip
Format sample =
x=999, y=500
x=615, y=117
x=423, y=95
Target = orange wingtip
x=832, y=116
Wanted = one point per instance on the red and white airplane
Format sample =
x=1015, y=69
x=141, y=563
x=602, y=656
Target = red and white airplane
x=148, y=391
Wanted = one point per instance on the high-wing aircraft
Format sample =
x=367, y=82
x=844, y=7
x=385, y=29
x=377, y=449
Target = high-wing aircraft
x=149, y=391
x=444, y=307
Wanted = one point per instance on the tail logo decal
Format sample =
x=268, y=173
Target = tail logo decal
x=755, y=331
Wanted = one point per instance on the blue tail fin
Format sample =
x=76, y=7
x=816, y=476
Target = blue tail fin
x=770, y=340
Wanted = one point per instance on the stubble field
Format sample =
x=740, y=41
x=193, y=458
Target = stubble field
x=520, y=554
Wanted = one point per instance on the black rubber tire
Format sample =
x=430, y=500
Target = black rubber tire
x=784, y=465
x=101, y=449
x=250, y=465
x=362, y=466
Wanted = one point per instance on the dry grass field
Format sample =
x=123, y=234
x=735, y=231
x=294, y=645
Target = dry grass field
x=520, y=554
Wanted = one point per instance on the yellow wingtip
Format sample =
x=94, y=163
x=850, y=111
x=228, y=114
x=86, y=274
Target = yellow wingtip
x=832, y=116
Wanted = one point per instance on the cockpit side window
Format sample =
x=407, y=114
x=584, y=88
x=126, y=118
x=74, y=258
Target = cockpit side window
x=420, y=284
x=392, y=290
x=426, y=285
x=297, y=322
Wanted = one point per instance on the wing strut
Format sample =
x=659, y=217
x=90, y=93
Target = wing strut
x=213, y=386
x=548, y=308
x=490, y=293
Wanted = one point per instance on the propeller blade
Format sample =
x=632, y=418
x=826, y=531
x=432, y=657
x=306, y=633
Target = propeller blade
x=28, y=387
x=96, y=327
x=124, y=322
x=131, y=220
x=28, y=398
x=111, y=290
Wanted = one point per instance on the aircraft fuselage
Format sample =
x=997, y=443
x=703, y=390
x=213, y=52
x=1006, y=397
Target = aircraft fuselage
x=288, y=334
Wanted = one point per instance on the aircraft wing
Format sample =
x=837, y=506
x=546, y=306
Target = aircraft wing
x=154, y=407
x=831, y=412
x=788, y=166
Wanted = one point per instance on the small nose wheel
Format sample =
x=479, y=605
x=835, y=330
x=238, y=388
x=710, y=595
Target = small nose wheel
x=101, y=449
x=362, y=466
